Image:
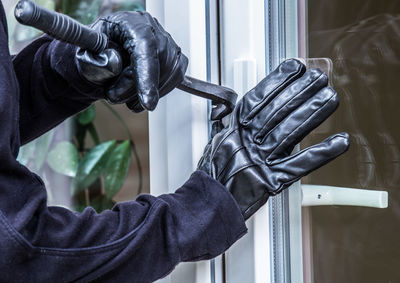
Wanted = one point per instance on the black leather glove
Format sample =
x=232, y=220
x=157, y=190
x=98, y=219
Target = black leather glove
x=154, y=64
x=100, y=68
x=252, y=156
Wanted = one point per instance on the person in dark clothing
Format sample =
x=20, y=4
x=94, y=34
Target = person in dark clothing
x=141, y=240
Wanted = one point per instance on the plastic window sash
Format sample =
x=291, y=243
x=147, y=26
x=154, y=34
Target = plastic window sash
x=185, y=20
x=211, y=44
x=242, y=66
x=208, y=52
x=281, y=27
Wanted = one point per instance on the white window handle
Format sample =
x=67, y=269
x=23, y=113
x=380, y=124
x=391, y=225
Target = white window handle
x=315, y=195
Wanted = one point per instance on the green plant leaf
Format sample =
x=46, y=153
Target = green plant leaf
x=85, y=11
x=63, y=158
x=80, y=134
x=92, y=165
x=130, y=6
x=100, y=203
x=87, y=116
x=42, y=148
x=115, y=113
x=26, y=152
x=117, y=168
x=93, y=133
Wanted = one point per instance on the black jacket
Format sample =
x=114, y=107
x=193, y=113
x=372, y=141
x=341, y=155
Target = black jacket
x=136, y=241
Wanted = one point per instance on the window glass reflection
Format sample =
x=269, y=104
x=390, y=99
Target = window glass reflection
x=362, y=38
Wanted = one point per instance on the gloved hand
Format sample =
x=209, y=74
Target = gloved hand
x=252, y=156
x=155, y=64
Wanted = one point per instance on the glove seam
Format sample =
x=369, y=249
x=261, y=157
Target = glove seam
x=255, y=203
x=271, y=162
x=233, y=154
x=261, y=104
x=170, y=77
x=220, y=143
x=280, y=108
x=299, y=152
x=241, y=169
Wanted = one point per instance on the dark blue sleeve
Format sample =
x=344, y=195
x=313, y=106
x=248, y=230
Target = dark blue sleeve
x=136, y=241
x=51, y=88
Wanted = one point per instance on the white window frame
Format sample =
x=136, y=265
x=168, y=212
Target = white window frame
x=178, y=128
x=242, y=66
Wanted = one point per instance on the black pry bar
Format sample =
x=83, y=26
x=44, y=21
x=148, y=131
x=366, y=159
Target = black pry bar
x=66, y=29
x=223, y=97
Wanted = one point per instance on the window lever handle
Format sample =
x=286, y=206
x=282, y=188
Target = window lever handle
x=316, y=195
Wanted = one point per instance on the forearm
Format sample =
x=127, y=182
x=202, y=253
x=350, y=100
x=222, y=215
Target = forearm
x=137, y=241
x=51, y=88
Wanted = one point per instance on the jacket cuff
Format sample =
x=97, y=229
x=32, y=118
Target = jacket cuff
x=207, y=218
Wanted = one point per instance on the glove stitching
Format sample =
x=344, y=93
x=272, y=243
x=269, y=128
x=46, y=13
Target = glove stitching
x=255, y=110
x=219, y=144
x=271, y=162
x=176, y=64
x=241, y=169
x=227, y=162
x=262, y=132
x=256, y=202
x=285, y=159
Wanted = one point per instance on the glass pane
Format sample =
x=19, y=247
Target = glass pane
x=59, y=154
x=361, y=38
